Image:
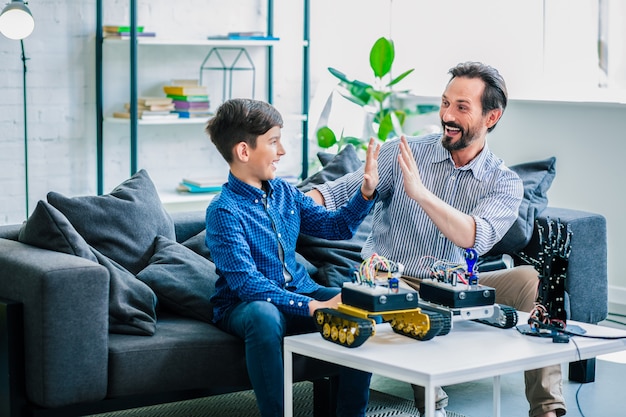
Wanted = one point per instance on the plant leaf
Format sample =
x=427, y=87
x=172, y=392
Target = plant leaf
x=385, y=127
x=378, y=95
x=400, y=77
x=357, y=142
x=382, y=55
x=325, y=137
x=339, y=74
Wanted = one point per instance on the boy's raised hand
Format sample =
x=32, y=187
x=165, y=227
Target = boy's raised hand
x=370, y=171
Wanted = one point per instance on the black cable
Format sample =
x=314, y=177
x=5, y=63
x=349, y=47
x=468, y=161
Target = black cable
x=581, y=384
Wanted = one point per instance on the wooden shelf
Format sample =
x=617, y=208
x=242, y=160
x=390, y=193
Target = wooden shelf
x=156, y=41
x=179, y=121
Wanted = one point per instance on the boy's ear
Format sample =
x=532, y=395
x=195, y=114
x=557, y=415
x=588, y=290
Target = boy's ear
x=242, y=151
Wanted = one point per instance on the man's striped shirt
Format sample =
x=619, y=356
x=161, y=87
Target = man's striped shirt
x=402, y=232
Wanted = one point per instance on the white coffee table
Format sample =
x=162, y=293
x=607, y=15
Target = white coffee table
x=471, y=351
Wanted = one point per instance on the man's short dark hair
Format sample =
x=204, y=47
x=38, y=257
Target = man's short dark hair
x=241, y=120
x=495, y=95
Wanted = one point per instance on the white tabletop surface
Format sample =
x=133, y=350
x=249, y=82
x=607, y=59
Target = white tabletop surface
x=471, y=351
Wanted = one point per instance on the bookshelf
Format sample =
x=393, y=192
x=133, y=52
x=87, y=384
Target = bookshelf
x=138, y=127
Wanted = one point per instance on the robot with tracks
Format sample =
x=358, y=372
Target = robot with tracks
x=448, y=296
x=459, y=296
x=369, y=300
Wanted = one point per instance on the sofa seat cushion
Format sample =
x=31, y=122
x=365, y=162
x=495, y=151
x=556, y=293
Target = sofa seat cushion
x=187, y=354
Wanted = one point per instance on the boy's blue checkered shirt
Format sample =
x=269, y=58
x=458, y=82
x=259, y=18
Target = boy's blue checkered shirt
x=245, y=225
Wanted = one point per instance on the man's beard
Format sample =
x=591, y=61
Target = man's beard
x=467, y=137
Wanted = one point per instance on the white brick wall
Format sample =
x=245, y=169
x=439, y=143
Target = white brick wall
x=61, y=97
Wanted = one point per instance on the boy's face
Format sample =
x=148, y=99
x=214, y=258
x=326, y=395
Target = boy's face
x=264, y=158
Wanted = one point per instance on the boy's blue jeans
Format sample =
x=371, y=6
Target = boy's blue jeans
x=262, y=326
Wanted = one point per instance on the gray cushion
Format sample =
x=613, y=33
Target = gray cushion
x=537, y=177
x=48, y=228
x=123, y=224
x=344, y=162
x=131, y=302
x=183, y=280
x=334, y=259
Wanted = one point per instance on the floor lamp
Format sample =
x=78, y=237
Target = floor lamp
x=16, y=22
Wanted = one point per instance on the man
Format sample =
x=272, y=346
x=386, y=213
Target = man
x=262, y=293
x=443, y=193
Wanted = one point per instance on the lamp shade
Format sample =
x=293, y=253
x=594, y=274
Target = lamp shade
x=16, y=22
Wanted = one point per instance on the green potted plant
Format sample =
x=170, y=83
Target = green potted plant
x=378, y=100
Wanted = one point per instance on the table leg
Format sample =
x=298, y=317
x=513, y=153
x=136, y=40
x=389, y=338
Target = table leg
x=496, y=396
x=288, y=383
x=429, y=403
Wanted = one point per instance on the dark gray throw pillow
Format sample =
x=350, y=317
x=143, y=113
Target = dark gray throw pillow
x=131, y=302
x=344, y=162
x=334, y=259
x=182, y=280
x=48, y=228
x=537, y=177
x=121, y=225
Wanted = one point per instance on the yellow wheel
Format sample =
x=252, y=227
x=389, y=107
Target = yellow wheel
x=326, y=331
x=342, y=335
x=350, y=337
x=334, y=333
x=319, y=316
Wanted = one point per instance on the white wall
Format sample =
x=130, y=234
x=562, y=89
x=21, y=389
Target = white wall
x=430, y=36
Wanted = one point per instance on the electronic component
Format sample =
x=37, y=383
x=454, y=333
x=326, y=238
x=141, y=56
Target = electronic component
x=554, y=244
x=375, y=294
x=455, y=290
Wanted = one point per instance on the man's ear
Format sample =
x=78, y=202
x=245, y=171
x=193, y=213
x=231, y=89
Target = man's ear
x=493, y=117
x=242, y=151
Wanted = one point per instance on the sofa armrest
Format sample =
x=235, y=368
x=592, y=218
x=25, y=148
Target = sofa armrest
x=586, y=282
x=65, y=322
x=188, y=223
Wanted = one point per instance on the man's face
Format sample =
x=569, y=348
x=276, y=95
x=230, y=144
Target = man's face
x=264, y=158
x=461, y=113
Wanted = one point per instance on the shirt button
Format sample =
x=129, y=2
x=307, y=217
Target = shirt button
x=279, y=235
x=292, y=212
x=300, y=304
x=256, y=201
x=291, y=302
x=441, y=235
x=269, y=300
x=264, y=195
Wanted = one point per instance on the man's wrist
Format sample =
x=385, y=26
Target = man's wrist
x=366, y=198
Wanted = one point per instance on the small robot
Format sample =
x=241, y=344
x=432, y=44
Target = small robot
x=456, y=293
x=371, y=298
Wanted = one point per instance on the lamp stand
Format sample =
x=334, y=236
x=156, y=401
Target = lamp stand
x=25, y=127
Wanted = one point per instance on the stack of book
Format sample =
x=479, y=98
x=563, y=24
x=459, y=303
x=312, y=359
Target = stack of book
x=190, y=99
x=150, y=108
x=123, y=32
x=201, y=185
x=245, y=36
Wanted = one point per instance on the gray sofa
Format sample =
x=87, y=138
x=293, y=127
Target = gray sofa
x=66, y=349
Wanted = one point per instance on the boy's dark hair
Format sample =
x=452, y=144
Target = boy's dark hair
x=495, y=95
x=241, y=120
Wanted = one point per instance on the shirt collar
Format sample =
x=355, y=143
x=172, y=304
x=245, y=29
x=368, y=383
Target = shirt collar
x=478, y=166
x=246, y=190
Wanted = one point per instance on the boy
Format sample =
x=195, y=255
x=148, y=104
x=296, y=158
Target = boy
x=262, y=293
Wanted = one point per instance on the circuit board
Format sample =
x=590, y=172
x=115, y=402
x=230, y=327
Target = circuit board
x=456, y=296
